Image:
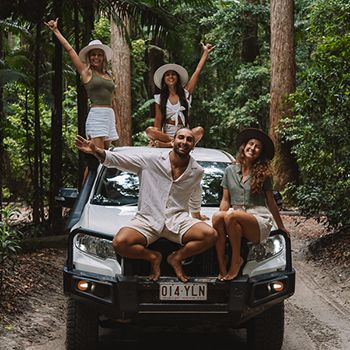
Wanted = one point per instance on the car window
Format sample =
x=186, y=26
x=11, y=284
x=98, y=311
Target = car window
x=116, y=187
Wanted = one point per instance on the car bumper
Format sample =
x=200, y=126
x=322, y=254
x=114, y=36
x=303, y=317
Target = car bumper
x=131, y=298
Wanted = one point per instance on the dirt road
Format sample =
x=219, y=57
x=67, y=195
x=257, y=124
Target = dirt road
x=317, y=316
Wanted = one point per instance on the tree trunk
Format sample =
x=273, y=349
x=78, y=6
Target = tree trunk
x=2, y=124
x=154, y=59
x=250, y=48
x=121, y=68
x=82, y=100
x=55, y=211
x=37, y=196
x=282, y=56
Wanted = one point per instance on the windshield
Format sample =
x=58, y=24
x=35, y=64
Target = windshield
x=116, y=187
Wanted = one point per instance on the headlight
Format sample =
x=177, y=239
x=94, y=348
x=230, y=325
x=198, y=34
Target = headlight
x=267, y=249
x=99, y=247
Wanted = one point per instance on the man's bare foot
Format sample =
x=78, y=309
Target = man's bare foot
x=155, y=266
x=234, y=270
x=176, y=265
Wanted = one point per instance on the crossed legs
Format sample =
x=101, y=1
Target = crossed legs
x=234, y=225
x=160, y=139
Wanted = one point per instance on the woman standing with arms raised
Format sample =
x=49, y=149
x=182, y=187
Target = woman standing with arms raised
x=91, y=64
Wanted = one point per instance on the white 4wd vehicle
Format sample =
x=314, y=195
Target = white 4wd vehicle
x=102, y=286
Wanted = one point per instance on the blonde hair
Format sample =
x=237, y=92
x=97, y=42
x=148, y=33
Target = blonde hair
x=104, y=64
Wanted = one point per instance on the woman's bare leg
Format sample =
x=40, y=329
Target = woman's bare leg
x=219, y=225
x=240, y=224
x=154, y=133
x=198, y=133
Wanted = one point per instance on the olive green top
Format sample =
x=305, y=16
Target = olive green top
x=99, y=90
x=240, y=191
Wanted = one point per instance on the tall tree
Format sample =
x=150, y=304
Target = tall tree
x=282, y=54
x=55, y=212
x=250, y=48
x=2, y=122
x=38, y=213
x=121, y=66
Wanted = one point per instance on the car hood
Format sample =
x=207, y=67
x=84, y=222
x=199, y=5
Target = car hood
x=109, y=219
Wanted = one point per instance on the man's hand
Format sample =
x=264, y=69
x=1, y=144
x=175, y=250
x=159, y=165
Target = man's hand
x=199, y=216
x=84, y=145
x=87, y=146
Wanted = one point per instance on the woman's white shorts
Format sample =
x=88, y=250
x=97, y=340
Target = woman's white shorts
x=100, y=122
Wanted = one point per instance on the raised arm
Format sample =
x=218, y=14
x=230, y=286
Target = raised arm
x=79, y=65
x=194, y=78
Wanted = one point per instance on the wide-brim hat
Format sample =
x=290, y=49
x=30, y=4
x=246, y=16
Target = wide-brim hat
x=95, y=44
x=252, y=133
x=181, y=71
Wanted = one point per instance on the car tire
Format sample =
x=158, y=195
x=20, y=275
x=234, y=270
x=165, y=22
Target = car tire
x=82, y=327
x=266, y=330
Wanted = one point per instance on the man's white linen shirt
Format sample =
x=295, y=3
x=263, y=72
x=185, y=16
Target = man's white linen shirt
x=162, y=200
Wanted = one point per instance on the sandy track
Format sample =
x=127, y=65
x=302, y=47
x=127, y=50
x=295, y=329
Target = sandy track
x=317, y=318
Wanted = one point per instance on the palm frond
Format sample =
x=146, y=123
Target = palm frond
x=15, y=28
x=9, y=75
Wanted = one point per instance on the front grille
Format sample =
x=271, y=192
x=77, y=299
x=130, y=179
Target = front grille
x=201, y=265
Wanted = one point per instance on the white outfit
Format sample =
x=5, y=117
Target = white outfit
x=100, y=122
x=164, y=203
x=174, y=112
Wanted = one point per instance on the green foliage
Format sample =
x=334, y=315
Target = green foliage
x=245, y=103
x=9, y=239
x=102, y=30
x=9, y=236
x=230, y=93
x=320, y=129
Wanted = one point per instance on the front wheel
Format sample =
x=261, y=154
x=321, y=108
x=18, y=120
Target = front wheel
x=266, y=330
x=82, y=327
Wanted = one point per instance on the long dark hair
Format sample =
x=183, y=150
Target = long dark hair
x=260, y=171
x=164, y=95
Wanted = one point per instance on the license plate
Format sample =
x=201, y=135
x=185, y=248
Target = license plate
x=182, y=291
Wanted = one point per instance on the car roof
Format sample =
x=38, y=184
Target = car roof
x=199, y=153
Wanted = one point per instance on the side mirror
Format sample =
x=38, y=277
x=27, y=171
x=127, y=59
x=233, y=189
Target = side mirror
x=278, y=199
x=66, y=197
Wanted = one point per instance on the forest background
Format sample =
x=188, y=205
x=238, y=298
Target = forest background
x=43, y=104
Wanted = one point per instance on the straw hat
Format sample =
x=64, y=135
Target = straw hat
x=181, y=71
x=252, y=133
x=95, y=44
